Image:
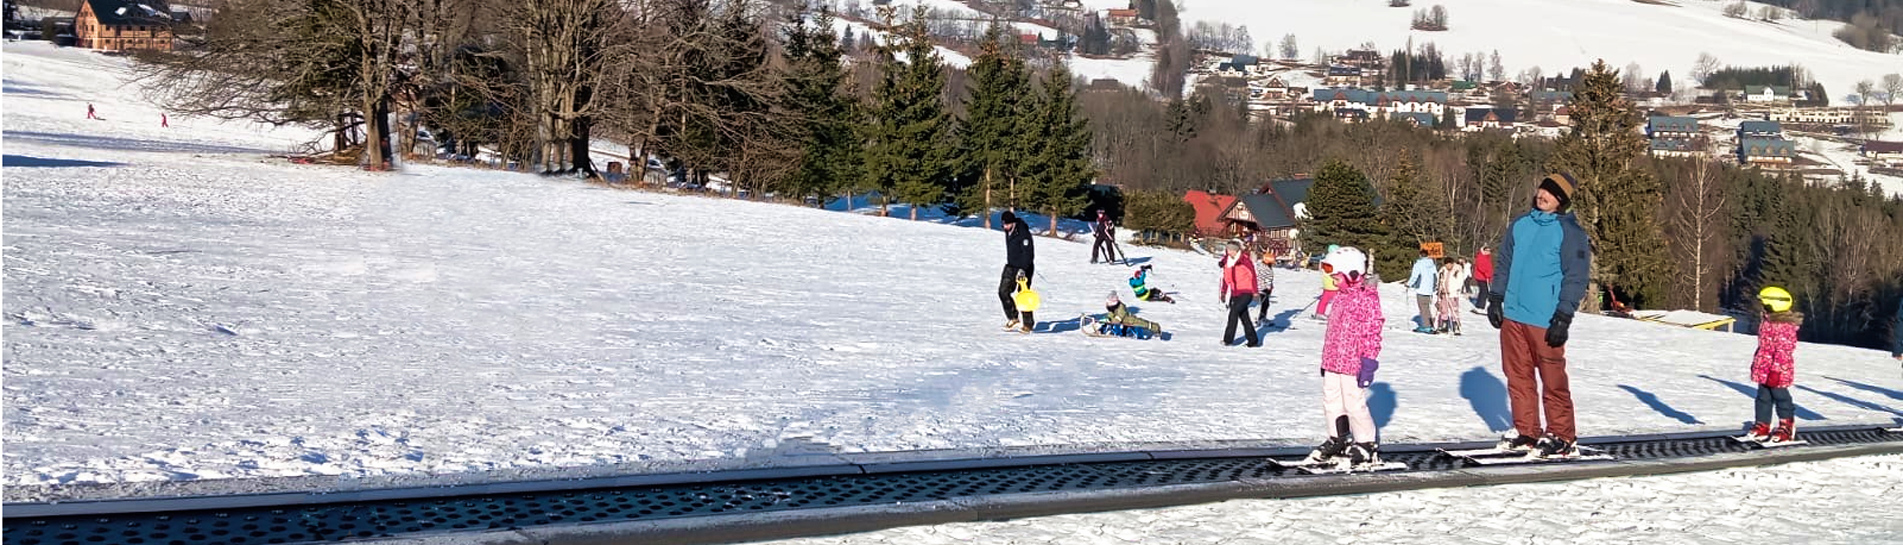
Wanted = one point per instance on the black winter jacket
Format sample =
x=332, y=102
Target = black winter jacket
x=1019, y=252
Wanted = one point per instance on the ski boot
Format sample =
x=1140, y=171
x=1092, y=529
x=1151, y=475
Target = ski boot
x=1759, y=432
x=1010, y=325
x=1551, y=446
x=1786, y=431
x=1363, y=455
x=1521, y=443
x=1328, y=451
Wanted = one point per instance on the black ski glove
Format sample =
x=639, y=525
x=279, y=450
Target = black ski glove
x=1496, y=314
x=1556, y=333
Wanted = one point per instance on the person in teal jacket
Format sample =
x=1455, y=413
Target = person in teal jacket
x=1540, y=274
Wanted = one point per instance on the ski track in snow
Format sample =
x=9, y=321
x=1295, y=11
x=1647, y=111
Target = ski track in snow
x=1834, y=501
x=180, y=308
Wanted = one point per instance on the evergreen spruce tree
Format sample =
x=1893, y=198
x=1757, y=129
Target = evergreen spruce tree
x=1665, y=82
x=1341, y=208
x=906, y=158
x=991, y=137
x=1058, y=169
x=828, y=115
x=1412, y=215
x=1619, y=197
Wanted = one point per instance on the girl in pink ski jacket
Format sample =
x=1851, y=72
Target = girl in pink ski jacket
x=1773, y=367
x=1349, y=351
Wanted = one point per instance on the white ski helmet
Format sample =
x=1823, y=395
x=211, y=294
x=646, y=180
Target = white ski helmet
x=1346, y=261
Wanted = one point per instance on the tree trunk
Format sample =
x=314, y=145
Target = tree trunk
x=373, y=135
x=1053, y=232
x=987, y=197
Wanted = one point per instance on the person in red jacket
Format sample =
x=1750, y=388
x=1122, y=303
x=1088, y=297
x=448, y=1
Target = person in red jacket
x=1238, y=290
x=1483, y=273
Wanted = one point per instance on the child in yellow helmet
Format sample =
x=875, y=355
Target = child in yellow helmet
x=1773, y=367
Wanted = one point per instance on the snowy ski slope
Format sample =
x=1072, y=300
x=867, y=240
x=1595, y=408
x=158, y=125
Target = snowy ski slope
x=1558, y=35
x=180, y=307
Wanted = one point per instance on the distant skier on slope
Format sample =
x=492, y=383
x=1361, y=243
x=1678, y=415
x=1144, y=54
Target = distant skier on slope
x=90, y=112
x=1018, y=262
x=1350, y=347
x=1264, y=283
x=1105, y=232
x=1545, y=262
x=1238, y=289
x=1773, y=367
x=1447, y=299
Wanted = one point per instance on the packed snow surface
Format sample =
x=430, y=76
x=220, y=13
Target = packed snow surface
x=181, y=307
x=1847, y=501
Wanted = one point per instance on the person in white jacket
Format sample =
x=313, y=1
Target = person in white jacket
x=1453, y=278
x=1422, y=281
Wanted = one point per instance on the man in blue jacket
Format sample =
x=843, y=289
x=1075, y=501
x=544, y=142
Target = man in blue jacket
x=1540, y=274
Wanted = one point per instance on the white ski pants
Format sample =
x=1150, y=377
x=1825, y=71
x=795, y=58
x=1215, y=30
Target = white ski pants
x=1342, y=397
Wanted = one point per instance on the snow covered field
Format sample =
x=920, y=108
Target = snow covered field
x=1558, y=35
x=1844, y=501
x=181, y=308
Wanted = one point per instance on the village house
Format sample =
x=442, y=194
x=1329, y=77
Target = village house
x=1828, y=116
x=1274, y=89
x=1478, y=119
x=1351, y=115
x=1885, y=153
x=123, y=25
x=1432, y=103
x=1766, y=93
x=1546, y=129
x=1362, y=58
x=1563, y=115
x=1210, y=209
x=1418, y=119
x=1766, y=152
x=1760, y=129
x=1343, y=76
x=1271, y=213
x=1676, y=147
x=1122, y=17
x=1657, y=127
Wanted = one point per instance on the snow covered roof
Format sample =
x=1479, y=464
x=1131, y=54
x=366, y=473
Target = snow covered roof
x=1671, y=124
x=130, y=12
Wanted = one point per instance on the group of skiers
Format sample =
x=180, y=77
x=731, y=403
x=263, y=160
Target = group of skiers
x=1530, y=290
x=1438, y=290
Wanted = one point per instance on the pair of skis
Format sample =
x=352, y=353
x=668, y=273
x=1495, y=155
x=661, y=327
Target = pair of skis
x=1336, y=467
x=1499, y=456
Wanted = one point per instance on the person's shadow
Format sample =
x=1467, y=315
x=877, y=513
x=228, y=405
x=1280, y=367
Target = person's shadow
x=1381, y=403
x=1652, y=400
x=1752, y=392
x=1488, y=397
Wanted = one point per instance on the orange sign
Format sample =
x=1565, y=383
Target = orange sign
x=1433, y=249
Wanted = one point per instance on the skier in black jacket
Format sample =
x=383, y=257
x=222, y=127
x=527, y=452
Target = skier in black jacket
x=1018, y=261
x=1104, y=232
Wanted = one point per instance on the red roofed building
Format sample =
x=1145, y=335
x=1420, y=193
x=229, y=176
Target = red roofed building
x=1209, y=211
x=1124, y=17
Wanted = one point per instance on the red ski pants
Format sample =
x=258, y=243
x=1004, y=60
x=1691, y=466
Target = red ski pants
x=1525, y=357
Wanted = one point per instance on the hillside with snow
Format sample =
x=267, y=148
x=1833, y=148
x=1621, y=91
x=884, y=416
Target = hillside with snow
x=180, y=306
x=1557, y=35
